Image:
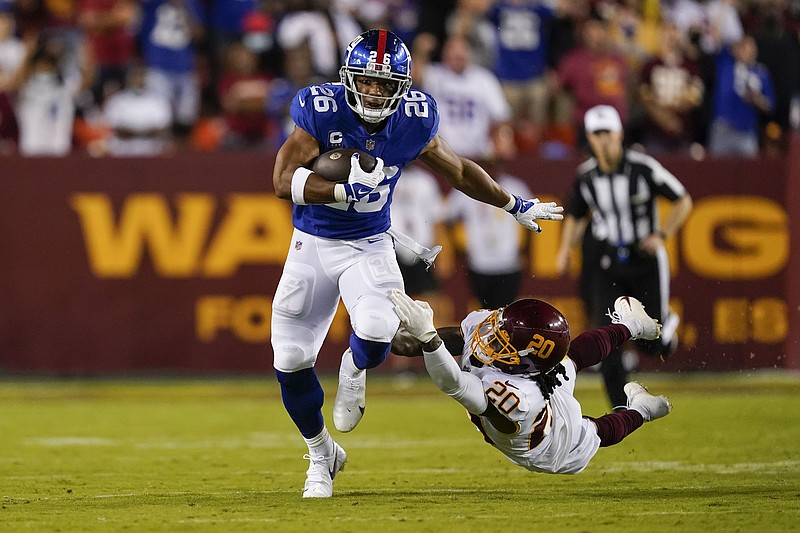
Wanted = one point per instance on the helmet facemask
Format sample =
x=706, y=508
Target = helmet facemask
x=355, y=99
x=490, y=342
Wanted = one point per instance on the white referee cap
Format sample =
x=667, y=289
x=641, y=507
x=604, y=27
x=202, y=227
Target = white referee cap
x=602, y=117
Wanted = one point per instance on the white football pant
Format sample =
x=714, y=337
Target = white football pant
x=317, y=271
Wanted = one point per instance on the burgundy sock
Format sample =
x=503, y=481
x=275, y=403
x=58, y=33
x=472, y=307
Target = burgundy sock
x=591, y=347
x=614, y=427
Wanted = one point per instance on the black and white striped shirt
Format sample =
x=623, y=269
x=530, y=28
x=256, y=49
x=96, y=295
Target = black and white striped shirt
x=623, y=203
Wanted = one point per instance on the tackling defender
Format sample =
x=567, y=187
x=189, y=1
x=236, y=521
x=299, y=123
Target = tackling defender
x=517, y=377
x=340, y=247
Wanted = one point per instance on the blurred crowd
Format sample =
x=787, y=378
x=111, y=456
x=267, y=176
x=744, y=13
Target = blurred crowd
x=125, y=77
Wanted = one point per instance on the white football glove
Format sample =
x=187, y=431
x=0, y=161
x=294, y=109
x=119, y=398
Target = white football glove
x=528, y=211
x=415, y=316
x=360, y=182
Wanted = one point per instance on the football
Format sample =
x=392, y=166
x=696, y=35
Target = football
x=335, y=165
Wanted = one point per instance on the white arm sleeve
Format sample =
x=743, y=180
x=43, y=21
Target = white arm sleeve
x=465, y=388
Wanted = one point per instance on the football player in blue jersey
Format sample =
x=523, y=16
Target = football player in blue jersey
x=340, y=247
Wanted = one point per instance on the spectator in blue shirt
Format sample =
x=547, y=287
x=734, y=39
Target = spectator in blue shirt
x=743, y=92
x=167, y=34
x=523, y=31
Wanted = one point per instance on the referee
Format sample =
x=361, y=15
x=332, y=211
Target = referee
x=615, y=192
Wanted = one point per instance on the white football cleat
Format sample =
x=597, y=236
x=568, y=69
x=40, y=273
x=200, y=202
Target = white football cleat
x=630, y=312
x=351, y=401
x=649, y=406
x=321, y=471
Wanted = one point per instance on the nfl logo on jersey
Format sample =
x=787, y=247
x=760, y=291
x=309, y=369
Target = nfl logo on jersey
x=298, y=245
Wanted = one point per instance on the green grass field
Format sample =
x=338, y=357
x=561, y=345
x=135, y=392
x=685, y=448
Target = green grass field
x=222, y=455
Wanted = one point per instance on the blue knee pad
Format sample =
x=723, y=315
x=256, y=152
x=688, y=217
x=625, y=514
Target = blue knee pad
x=368, y=354
x=303, y=398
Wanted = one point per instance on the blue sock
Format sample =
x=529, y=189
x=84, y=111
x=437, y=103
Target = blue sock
x=368, y=354
x=303, y=397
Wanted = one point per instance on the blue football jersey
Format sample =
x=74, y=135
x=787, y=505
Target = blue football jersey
x=523, y=31
x=322, y=111
x=165, y=33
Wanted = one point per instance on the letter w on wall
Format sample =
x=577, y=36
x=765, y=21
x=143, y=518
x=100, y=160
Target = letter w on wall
x=114, y=248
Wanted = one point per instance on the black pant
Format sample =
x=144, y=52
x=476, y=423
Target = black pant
x=495, y=290
x=619, y=272
x=418, y=278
